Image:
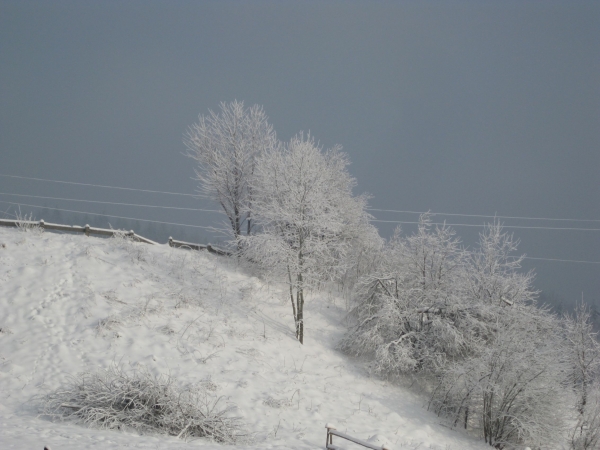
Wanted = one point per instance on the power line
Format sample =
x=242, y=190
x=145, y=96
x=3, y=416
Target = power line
x=369, y=209
x=213, y=229
x=503, y=226
x=108, y=215
x=480, y=215
x=112, y=203
x=562, y=260
x=99, y=185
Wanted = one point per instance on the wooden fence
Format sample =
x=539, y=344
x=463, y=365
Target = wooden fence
x=331, y=431
x=88, y=231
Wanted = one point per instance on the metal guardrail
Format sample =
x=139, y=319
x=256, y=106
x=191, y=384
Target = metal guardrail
x=87, y=230
x=210, y=248
x=331, y=431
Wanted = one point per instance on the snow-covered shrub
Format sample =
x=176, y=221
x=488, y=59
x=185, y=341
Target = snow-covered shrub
x=137, y=251
x=114, y=398
x=27, y=224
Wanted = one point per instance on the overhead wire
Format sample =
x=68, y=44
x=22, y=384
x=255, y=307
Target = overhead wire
x=100, y=185
x=214, y=229
x=480, y=215
x=483, y=225
x=109, y=215
x=112, y=203
x=562, y=260
x=369, y=209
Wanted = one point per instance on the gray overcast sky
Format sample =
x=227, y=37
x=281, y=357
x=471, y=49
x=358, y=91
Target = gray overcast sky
x=475, y=107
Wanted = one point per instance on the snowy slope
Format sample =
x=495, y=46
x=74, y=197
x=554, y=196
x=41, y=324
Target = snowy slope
x=74, y=303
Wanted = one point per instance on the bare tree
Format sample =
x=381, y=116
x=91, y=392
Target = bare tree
x=307, y=216
x=226, y=146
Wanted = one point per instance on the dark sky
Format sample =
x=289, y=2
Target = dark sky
x=471, y=107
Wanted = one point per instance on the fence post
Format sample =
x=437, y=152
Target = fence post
x=87, y=230
x=170, y=241
x=329, y=439
x=42, y=223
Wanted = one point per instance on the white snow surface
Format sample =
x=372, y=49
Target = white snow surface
x=72, y=303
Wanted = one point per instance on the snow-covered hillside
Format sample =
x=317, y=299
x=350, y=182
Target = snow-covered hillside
x=74, y=303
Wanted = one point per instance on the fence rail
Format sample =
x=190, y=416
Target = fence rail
x=191, y=246
x=331, y=431
x=88, y=231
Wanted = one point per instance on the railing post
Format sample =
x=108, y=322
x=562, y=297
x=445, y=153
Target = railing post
x=329, y=439
x=87, y=230
x=42, y=223
x=170, y=241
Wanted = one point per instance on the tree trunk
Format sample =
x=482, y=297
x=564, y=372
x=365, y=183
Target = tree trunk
x=300, y=309
x=293, y=302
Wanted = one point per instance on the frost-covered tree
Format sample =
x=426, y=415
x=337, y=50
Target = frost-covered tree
x=429, y=302
x=411, y=308
x=226, y=146
x=306, y=217
x=583, y=357
x=494, y=276
x=511, y=389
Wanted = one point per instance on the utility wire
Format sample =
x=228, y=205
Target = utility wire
x=112, y=203
x=503, y=226
x=100, y=186
x=479, y=215
x=561, y=260
x=108, y=215
x=369, y=209
x=214, y=229
x=218, y=211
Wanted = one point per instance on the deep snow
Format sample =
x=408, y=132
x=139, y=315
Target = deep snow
x=71, y=303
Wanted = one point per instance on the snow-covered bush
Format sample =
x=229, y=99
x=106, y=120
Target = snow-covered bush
x=114, y=398
x=137, y=251
x=27, y=224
